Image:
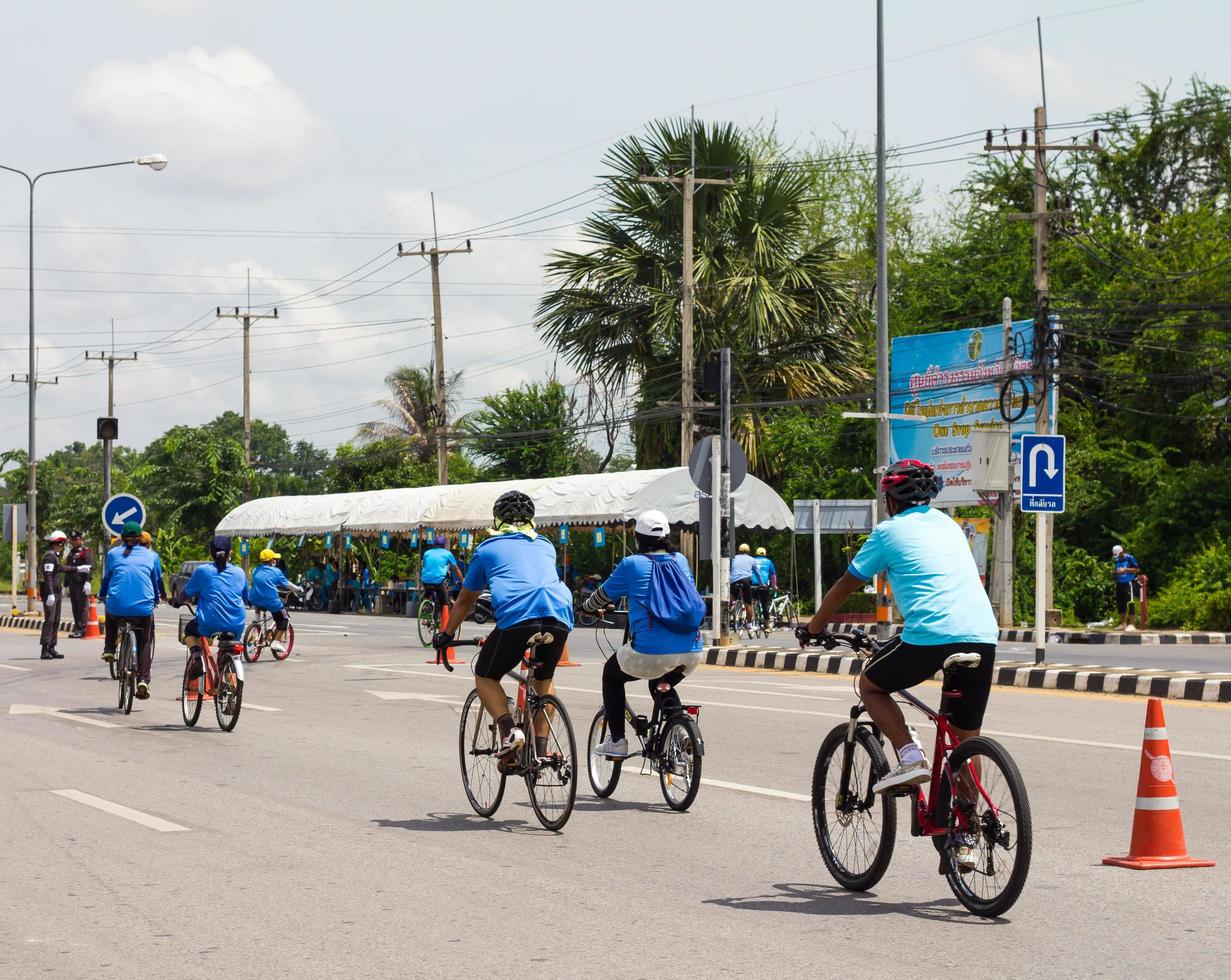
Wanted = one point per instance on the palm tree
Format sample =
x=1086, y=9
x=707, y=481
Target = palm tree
x=791, y=318
x=411, y=410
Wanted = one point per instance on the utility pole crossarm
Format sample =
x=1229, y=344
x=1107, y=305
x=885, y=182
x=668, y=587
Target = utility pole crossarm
x=424, y=251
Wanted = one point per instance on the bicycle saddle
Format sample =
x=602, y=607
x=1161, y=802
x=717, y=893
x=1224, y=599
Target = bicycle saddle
x=963, y=660
x=225, y=637
x=541, y=639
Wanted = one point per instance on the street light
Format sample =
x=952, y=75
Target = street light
x=155, y=161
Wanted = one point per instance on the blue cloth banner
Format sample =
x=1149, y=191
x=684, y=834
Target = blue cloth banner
x=463, y=539
x=564, y=534
x=346, y=541
x=243, y=547
x=384, y=540
x=600, y=537
x=329, y=541
x=414, y=538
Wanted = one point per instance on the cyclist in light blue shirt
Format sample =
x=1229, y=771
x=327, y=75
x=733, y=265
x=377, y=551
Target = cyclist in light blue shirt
x=131, y=585
x=650, y=651
x=743, y=568
x=439, y=565
x=764, y=578
x=221, y=592
x=267, y=581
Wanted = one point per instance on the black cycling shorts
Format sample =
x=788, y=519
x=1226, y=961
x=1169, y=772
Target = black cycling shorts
x=903, y=665
x=505, y=647
x=436, y=592
x=1124, y=595
x=279, y=616
x=742, y=590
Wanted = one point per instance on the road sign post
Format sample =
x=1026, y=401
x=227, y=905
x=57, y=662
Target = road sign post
x=1043, y=472
x=119, y=510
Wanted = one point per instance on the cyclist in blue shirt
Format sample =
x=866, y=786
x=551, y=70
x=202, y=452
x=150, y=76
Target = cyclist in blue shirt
x=764, y=577
x=518, y=566
x=650, y=651
x=267, y=581
x=936, y=585
x=132, y=583
x=743, y=567
x=1124, y=571
x=439, y=565
x=221, y=592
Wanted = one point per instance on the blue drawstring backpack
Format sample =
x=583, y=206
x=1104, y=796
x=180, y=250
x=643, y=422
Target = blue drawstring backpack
x=674, y=601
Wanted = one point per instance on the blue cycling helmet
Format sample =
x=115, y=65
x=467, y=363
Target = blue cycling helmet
x=441, y=541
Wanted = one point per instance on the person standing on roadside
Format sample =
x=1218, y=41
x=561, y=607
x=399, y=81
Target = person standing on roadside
x=51, y=591
x=1124, y=573
x=78, y=567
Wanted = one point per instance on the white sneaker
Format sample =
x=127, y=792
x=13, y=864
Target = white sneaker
x=964, y=855
x=613, y=749
x=278, y=646
x=512, y=742
x=1130, y=628
x=915, y=774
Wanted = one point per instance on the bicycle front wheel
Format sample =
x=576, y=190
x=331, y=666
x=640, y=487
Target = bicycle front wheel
x=477, y=742
x=551, y=776
x=252, y=642
x=855, y=828
x=989, y=808
x=428, y=622
x=679, y=767
x=190, y=695
x=604, y=771
x=288, y=644
x=229, y=694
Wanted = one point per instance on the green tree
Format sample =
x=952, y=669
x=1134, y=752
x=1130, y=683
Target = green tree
x=385, y=464
x=529, y=431
x=411, y=410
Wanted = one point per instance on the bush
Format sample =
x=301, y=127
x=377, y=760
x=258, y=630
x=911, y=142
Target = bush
x=1198, y=597
x=1083, y=585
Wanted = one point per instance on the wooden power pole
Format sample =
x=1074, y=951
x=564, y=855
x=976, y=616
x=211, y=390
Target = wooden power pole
x=247, y=316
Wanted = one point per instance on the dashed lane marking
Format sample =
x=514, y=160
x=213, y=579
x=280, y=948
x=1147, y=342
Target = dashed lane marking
x=411, y=696
x=35, y=709
x=119, y=810
x=13, y=667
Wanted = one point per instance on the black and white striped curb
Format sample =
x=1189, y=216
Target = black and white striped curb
x=1179, y=685
x=28, y=623
x=1126, y=639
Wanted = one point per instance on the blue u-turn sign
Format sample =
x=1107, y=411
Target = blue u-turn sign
x=1042, y=462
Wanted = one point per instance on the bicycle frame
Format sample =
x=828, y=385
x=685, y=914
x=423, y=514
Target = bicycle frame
x=649, y=733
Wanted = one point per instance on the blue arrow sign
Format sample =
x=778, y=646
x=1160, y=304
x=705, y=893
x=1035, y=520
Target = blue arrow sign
x=120, y=509
x=1042, y=461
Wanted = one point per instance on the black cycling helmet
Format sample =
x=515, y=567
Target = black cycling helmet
x=513, y=507
x=910, y=481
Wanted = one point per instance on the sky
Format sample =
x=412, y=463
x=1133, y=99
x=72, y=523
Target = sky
x=304, y=140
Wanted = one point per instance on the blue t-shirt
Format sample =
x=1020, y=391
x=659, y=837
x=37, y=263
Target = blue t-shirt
x=933, y=575
x=1125, y=561
x=763, y=570
x=331, y=576
x=131, y=581
x=266, y=581
x=631, y=578
x=220, y=598
x=742, y=567
x=436, y=562
x=521, y=573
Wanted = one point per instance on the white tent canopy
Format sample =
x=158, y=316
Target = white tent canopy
x=592, y=499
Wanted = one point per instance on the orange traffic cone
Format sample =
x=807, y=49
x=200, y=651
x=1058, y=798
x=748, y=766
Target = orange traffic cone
x=565, y=661
x=450, y=652
x=1158, y=831
x=92, y=631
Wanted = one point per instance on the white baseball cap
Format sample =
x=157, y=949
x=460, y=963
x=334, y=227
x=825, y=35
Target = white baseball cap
x=1116, y=551
x=653, y=524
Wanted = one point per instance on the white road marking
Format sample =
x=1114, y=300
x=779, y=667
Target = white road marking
x=35, y=709
x=119, y=810
x=780, y=794
x=259, y=707
x=694, y=686
x=410, y=696
x=13, y=667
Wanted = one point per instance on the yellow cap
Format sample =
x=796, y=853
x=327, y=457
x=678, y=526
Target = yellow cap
x=761, y=552
x=744, y=549
x=147, y=538
x=269, y=555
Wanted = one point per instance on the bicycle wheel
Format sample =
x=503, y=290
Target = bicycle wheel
x=604, y=771
x=289, y=643
x=128, y=672
x=992, y=797
x=552, y=778
x=229, y=693
x=191, y=700
x=855, y=829
x=477, y=741
x=252, y=642
x=428, y=622
x=679, y=766
x=111, y=667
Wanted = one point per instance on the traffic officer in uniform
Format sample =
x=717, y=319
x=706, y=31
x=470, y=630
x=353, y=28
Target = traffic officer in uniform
x=78, y=566
x=50, y=588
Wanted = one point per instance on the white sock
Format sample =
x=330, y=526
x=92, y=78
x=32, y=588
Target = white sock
x=910, y=754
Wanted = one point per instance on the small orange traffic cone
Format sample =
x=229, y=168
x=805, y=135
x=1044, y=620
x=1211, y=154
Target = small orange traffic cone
x=92, y=631
x=450, y=652
x=1158, y=831
x=565, y=661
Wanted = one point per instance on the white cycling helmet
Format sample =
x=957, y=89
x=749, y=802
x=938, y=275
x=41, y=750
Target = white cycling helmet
x=57, y=536
x=653, y=524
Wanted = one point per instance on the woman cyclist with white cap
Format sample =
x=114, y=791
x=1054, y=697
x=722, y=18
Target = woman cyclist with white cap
x=652, y=650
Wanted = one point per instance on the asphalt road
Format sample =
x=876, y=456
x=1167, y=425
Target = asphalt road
x=329, y=835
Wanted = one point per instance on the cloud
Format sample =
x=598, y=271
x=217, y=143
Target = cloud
x=1085, y=81
x=226, y=120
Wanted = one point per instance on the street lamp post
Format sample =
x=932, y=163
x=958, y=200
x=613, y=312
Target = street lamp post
x=155, y=161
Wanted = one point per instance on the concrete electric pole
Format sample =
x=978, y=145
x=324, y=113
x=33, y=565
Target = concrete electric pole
x=247, y=316
x=111, y=360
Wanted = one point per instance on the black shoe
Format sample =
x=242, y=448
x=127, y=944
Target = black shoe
x=195, y=669
x=54, y=654
x=45, y=655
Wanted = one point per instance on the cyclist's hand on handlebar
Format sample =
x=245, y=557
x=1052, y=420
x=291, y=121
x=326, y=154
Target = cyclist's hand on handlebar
x=442, y=640
x=807, y=638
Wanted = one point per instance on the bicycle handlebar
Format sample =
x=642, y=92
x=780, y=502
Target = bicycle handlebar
x=442, y=653
x=858, y=641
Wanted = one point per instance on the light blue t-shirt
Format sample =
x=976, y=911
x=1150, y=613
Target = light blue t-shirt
x=631, y=578
x=742, y=567
x=521, y=573
x=220, y=598
x=436, y=562
x=764, y=571
x=933, y=576
x=266, y=581
x=130, y=581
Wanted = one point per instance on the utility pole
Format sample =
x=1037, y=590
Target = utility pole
x=31, y=532
x=882, y=311
x=247, y=316
x=688, y=183
x=1046, y=353
x=724, y=489
x=433, y=255
x=111, y=360
x=1004, y=504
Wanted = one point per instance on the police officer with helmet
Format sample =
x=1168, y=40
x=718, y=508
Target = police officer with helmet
x=78, y=567
x=51, y=591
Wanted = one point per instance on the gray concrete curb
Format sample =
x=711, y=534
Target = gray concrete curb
x=1092, y=637
x=28, y=623
x=1177, y=685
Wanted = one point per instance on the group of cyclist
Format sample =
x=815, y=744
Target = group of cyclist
x=753, y=580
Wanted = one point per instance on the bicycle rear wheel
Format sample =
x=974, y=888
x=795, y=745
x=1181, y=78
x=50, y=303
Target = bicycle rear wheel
x=428, y=621
x=190, y=695
x=552, y=778
x=604, y=771
x=127, y=671
x=252, y=642
x=679, y=766
x=229, y=694
x=855, y=828
x=991, y=797
x=477, y=742
x=289, y=644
